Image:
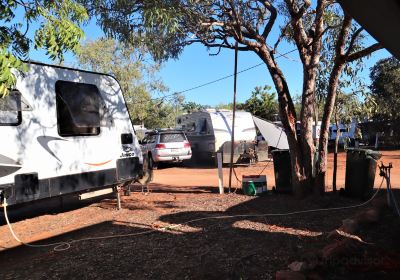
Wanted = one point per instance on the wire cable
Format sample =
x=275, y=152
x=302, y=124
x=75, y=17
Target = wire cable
x=65, y=245
x=222, y=78
x=55, y=245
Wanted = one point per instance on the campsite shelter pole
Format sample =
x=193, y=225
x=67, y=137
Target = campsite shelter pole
x=233, y=117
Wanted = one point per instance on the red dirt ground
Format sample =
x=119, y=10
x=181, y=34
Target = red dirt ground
x=233, y=248
x=187, y=177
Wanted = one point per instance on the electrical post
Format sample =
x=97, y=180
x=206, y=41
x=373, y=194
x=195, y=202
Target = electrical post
x=233, y=117
x=220, y=174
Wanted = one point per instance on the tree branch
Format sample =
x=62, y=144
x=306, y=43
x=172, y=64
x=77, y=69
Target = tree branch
x=364, y=52
x=281, y=36
x=296, y=14
x=341, y=41
x=211, y=24
x=329, y=27
x=286, y=105
x=271, y=20
x=353, y=40
x=319, y=29
x=236, y=22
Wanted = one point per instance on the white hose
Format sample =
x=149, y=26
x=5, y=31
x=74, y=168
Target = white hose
x=64, y=245
x=57, y=244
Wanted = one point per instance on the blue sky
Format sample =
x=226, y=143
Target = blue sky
x=195, y=67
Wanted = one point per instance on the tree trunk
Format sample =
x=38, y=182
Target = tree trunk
x=339, y=63
x=321, y=168
x=335, y=153
x=306, y=125
x=301, y=152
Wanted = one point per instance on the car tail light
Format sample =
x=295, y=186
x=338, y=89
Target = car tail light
x=160, y=146
x=186, y=145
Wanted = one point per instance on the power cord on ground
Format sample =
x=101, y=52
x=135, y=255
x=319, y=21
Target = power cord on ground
x=65, y=245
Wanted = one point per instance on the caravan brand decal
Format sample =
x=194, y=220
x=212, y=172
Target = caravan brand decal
x=44, y=142
x=98, y=164
x=124, y=155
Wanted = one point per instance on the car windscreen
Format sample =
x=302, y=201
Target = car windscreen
x=172, y=137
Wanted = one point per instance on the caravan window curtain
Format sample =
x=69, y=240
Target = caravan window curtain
x=78, y=109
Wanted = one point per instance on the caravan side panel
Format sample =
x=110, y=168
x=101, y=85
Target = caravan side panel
x=222, y=125
x=199, y=131
x=209, y=131
x=50, y=160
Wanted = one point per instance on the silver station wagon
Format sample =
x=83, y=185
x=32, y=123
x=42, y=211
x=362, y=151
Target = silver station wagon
x=166, y=146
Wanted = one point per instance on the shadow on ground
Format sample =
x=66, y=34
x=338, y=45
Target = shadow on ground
x=232, y=248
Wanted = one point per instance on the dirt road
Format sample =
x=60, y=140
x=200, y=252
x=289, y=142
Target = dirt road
x=231, y=248
x=191, y=177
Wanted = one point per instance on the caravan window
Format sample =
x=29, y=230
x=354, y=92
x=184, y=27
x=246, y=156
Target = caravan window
x=10, y=109
x=192, y=127
x=78, y=109
x=203, y=126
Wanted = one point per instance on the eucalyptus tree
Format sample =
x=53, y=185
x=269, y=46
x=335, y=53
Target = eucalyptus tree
x=385, y=88
x=41, y=24
x=262, y=103
x=167, y=26
x=136, y=74
x=189, y=107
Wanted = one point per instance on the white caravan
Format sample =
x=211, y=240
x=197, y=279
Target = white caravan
x=64, y=131
x=346, y=132
x=210, y=131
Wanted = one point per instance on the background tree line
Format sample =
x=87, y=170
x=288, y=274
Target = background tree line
x=137, y=75
x=330, y=46
x=329, y=43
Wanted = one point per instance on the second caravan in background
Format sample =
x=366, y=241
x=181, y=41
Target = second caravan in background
x=210, y=131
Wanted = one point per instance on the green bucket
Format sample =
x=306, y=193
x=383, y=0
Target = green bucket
x=254, y=185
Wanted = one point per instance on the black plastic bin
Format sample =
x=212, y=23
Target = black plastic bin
x=360, y=172
x=282, y=170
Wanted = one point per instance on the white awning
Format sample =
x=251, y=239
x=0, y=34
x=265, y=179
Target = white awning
x=273, y=134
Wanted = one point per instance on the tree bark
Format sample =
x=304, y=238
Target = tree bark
x=341, y=58
x=306, y=124
x=339, y=63
x=321, y=168
x=310, y=53
x=335, y=153
x=307, y=174
x=288, y=118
